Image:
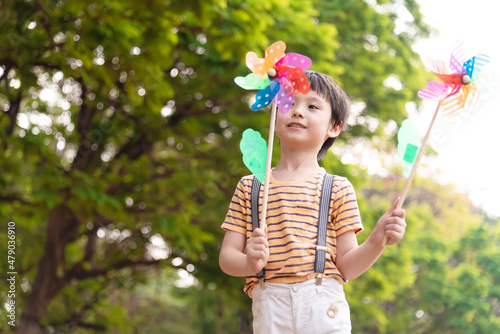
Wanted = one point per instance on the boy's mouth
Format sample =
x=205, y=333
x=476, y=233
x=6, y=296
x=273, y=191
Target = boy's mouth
x=296, y=125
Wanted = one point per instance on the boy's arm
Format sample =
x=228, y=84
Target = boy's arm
x=353, y=260
x=239, y=258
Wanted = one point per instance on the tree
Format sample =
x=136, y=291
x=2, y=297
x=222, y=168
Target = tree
x=120, y=129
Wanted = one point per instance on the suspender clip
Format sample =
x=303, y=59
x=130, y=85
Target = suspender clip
x=322, y=248
x=319, y=278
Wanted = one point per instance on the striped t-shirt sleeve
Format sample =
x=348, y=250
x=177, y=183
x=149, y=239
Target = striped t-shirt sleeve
x=239, y=213
x=344, y=207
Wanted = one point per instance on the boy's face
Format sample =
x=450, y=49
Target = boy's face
x=308, y=123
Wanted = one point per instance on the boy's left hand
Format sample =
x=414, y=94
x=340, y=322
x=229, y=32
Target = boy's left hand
x=392, y=224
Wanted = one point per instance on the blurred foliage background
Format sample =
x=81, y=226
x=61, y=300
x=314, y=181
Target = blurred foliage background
x=119, y=141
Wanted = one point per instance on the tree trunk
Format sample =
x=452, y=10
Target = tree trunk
x=62, y=228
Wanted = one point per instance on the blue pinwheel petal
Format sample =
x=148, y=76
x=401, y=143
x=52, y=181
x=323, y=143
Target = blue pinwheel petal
x=265, y=96
x=469, y=66
x=475, y=65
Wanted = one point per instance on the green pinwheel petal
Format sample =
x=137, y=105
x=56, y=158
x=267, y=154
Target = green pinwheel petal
x=251, y=81
x=408, y=145
x=254, y=149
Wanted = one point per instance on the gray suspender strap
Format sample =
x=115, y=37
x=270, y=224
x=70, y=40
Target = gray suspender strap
x=324, y=205
x=255, y=210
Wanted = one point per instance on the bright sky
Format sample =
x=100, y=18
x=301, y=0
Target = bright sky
x=468, y=145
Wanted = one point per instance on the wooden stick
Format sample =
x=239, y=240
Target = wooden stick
x=415, y=165
x=268, y=165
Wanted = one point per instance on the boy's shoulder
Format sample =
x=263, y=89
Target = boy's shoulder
x=338, y=179
x=341, y=179
x=246, y=182
x=249, y=177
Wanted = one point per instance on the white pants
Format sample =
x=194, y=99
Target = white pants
x=300, y=308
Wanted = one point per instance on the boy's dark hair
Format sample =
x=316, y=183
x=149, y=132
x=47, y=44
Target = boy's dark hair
x=326, y=87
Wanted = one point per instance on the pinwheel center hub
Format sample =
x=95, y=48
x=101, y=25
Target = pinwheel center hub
x=272, y=72
x=466, y=79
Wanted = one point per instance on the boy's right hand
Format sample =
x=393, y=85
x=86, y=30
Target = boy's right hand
x=257, y=250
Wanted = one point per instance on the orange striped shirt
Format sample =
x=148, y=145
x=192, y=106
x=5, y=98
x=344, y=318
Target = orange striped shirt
x=292, y=220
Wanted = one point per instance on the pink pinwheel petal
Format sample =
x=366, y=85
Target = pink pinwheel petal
x=434, y=90
x=295, y=60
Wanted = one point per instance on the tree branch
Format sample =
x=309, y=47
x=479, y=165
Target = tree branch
x=13, y=111
x=138, y=144
x=75, y=317
x=13, y=198
x=78, y=273
x=46, y=65
x=188, y=112
x=8, y=63
x=83, y=124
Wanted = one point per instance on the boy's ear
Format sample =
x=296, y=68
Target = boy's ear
x=334, y=130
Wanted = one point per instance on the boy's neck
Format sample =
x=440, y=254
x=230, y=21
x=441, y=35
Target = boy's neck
x=295, y=166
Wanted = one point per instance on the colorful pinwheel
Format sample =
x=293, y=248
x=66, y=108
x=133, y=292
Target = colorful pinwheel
x=456, y=92
x=457, y=89
x=278, y=76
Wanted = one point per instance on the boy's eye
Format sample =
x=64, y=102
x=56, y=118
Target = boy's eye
x=312, y=106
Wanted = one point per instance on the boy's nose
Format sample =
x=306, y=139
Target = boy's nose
x=297, y=113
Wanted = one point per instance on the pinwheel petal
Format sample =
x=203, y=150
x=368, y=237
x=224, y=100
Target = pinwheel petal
x=256, y=64
x=295, y=60
x=265, y=96
x=254, y=149
x=451, y=79
x=452, y=104
x=457, y=58
x=469, y=66
x=299, y=81
x=282, y=70
x=252, y=81
x=438, y=66
x=409, y=142
x=475, y=65
x=274, y=53
x=283, y=100
x=467, y=98
x=434, y=90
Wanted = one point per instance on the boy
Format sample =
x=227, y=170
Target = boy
x=291, y=297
